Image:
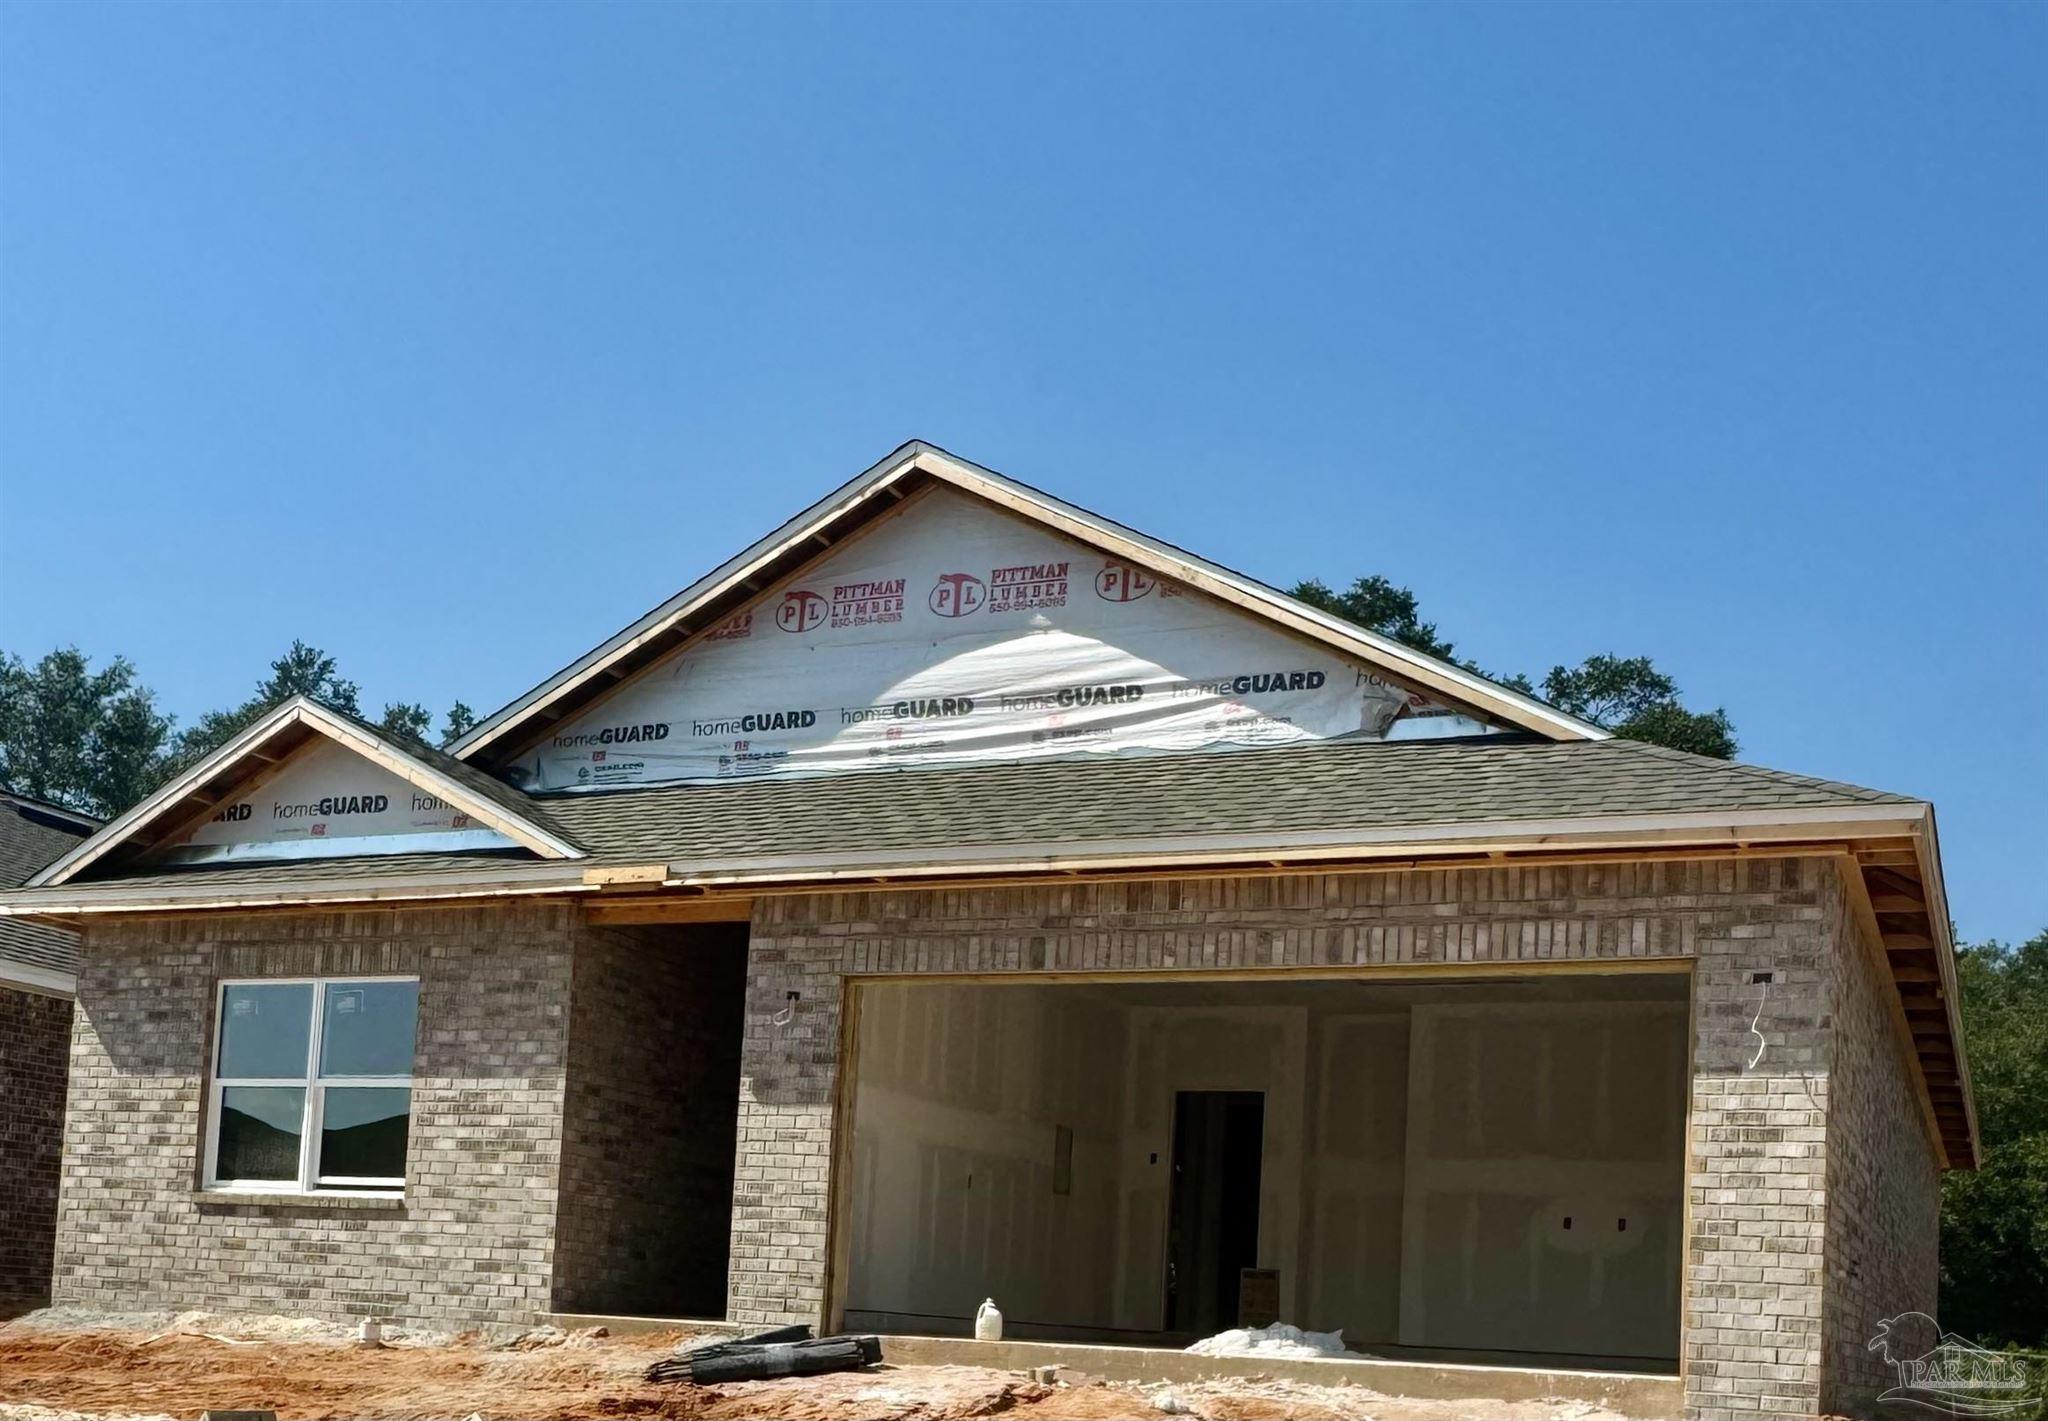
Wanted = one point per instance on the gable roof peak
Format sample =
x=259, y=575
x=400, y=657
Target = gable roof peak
x=848, y=509
x=288, y=727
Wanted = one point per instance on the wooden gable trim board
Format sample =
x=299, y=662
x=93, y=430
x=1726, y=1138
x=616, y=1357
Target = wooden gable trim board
x=784, y=553
x=1311, y=851
x=632, y=887
x=314, y=721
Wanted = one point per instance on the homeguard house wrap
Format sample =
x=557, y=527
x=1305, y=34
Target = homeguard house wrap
x=959, y=895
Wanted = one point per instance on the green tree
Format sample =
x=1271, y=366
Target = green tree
x=90, y=740
x=1627, y=695
x=306, y=671
x=1382, y=606
x=461, y=720
x=410, y=720
x=407, y=720
x=302, y=671
x=1632, y=698
x=1994, y=1220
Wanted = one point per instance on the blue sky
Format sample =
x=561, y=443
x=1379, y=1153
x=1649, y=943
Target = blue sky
x=451, y=338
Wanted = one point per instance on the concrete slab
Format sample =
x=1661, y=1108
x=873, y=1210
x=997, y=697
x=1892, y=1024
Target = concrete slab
x=1646, y=1396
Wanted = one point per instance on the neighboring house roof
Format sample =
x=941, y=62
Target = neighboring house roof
x=1326, y=796
x=270, y=743
x=32, y=833
x=846, y=511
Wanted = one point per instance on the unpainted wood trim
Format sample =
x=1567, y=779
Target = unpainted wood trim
x=1863, y=921
x=1333, y=972
x=720, y=909
x=839, y=1191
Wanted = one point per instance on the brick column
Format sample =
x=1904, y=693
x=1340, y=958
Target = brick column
x=1756, y=1158
x=782, y=1170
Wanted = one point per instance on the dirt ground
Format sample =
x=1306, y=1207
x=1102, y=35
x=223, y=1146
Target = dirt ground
x=56, y=1367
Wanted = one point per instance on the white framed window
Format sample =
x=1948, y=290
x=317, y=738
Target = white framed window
x=312, y=1084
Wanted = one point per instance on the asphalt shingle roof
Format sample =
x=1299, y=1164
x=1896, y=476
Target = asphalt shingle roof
x=28, y=841
x=1333, y=785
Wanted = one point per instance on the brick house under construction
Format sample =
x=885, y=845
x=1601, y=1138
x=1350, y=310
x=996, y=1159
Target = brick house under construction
x=959, y=895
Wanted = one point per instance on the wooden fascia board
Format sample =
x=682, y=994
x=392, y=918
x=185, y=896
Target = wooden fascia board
x=1832, y=824
x=91, y=900
x=1875, y=961
x=624, y=884
x=1928, y=842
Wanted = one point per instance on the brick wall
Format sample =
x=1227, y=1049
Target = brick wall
x=807, y=944
x=647, y=1152
x=1883, y=1183
x=1757, y=1157
x=472, y=1239
x=1755, y=1173
x=35, y=1039
x=1778, y=1221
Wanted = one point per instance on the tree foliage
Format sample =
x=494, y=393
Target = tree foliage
x=1627, y=695
x=1632, y=698
x=90, y=740
x=1382, y=606
x=302, y=671
x=308, y=671
x=1994, y=1220
x=94, y=740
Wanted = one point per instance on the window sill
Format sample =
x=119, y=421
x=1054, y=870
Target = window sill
x=292, y=1198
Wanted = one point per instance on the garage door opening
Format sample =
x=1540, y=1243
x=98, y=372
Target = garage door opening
x=1485, y=1168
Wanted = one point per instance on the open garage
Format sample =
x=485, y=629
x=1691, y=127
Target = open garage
x=1438, y=1165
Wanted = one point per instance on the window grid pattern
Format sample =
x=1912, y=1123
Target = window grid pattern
x=230, y=1093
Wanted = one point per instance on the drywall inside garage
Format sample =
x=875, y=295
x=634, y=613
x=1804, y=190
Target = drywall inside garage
x=1422, y=1146
x=1544, y=1184
x=961, y=1092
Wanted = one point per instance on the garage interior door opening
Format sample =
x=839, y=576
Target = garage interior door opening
x=1477, y=1169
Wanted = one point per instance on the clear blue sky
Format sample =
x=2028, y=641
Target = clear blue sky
x=451, y=338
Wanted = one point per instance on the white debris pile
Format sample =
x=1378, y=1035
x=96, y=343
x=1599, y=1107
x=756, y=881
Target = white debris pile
x=1282, y=1339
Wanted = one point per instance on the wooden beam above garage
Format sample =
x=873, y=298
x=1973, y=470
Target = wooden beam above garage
x=648, y=910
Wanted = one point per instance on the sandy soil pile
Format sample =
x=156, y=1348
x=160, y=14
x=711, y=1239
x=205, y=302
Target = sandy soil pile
x=72, y=1367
